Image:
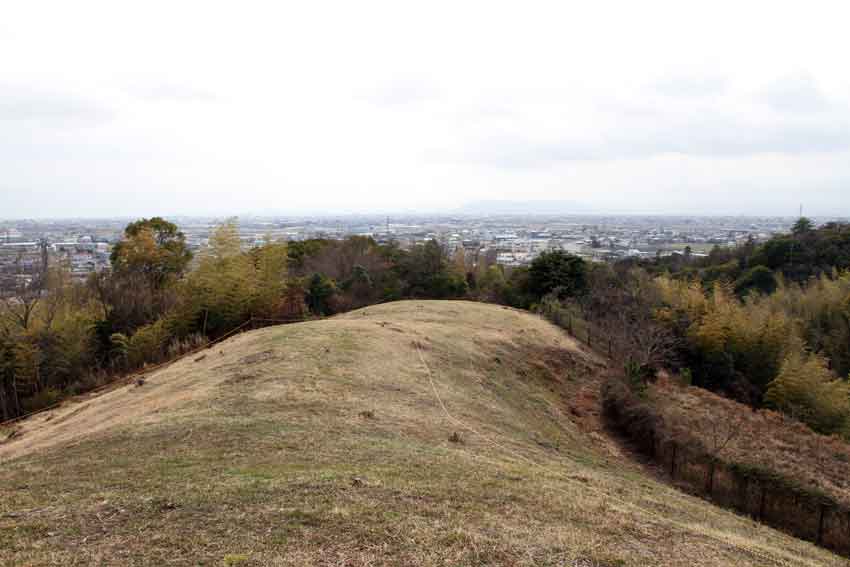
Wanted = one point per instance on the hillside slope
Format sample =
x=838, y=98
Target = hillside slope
x=412, y=433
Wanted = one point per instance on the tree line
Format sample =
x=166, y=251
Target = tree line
x=766, y=324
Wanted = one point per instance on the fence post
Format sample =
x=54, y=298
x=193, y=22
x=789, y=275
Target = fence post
x=673, y=462
x=848, y=534
x=742, y=494
x=761, y=501
x=709, y=488
x=652, y=443
x=821, y=511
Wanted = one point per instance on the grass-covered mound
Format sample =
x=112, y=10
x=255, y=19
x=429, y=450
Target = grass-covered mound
x=412, y=433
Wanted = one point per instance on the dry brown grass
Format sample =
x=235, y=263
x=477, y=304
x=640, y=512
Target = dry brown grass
x=322, y=443
x=764, y=439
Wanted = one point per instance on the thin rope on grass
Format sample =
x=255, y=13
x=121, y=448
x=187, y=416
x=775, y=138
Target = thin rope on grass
x=458, y=422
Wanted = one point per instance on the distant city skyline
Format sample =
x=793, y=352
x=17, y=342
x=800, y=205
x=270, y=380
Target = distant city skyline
x=84, y=246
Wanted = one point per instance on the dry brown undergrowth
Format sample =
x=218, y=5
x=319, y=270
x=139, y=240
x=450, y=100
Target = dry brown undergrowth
x=763, y=438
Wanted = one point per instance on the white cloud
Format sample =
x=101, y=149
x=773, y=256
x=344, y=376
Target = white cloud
x=795, y=93
x=198, y=107
x=173, y=92
x=692, y=86
x=403, y=92
x=25, y=103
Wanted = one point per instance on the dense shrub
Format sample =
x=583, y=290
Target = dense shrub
x=148, y=344
x=807, y=390
x=557, y=272
x=44, y=398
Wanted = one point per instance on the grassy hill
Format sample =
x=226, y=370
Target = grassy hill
x=412, y=433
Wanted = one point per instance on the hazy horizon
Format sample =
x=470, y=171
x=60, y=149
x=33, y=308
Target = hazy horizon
x=381, y=214
x=191, y=109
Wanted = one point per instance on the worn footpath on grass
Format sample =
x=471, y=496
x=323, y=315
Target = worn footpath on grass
x=323, y=443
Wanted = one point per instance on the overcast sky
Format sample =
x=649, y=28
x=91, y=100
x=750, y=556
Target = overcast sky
x=140, y=108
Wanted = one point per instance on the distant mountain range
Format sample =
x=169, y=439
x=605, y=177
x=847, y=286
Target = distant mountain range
x=495, y=207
